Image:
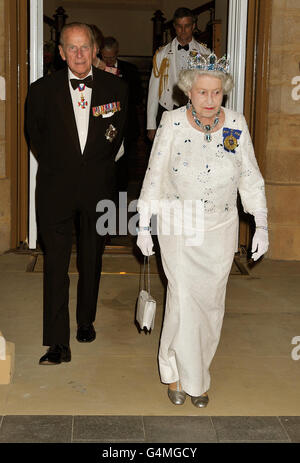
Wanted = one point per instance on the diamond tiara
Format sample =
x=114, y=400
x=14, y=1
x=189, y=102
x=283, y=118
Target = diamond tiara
x=208, y=62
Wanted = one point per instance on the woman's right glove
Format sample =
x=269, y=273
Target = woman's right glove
x=145, y=243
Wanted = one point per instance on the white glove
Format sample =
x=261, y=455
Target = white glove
x=145, y=243
x=260, y=242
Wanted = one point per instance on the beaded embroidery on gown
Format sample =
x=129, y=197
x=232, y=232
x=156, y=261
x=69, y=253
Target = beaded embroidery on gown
x=183, y=166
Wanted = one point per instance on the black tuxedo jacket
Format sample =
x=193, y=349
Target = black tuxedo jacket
x=130, y=74
x=65, y=176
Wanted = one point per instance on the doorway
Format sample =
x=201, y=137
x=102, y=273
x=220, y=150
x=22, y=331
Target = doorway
x=242, y=46
x=16, y=65
x=237, y=20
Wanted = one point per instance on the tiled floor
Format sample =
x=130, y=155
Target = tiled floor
x=111, y=392
x=148, y=429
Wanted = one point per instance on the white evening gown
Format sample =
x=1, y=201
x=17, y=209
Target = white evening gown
x=183, y=166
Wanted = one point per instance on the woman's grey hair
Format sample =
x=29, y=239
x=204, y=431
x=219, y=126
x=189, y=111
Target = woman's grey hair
x=77, y=25
x=187, y=78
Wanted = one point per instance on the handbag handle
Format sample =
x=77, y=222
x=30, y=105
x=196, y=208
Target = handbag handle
x=143, y=273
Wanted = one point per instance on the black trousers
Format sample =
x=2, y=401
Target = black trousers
x=160, y=112
x=57, y=240
x=123, y=165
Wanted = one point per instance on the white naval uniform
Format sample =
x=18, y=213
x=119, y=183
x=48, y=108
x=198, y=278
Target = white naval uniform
x=177, y=60
x=184, y=166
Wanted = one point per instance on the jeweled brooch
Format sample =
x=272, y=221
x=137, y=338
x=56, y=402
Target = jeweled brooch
x=230, y=139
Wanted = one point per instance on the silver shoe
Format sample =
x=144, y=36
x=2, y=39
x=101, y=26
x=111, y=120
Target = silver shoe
x=201, y=401
x=177, y=397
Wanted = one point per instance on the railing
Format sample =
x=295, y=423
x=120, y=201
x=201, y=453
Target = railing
x=163, y=31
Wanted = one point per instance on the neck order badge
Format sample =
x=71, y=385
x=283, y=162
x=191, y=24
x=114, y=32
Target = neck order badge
x=82, y=103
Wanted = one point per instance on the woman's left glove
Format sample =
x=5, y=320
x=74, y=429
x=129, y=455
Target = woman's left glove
x=145, y=243
x=260, y=242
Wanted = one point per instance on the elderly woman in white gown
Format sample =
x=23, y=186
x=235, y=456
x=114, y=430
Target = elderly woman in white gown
x=202, y=154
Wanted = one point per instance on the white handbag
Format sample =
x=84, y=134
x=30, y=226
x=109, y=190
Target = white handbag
x=146, y=305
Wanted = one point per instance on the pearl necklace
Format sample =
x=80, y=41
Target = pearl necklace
x=207, y=128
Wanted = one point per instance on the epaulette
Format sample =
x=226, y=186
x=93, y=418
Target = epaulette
x=159, y=48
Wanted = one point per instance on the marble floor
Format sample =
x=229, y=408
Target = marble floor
x=255, y=377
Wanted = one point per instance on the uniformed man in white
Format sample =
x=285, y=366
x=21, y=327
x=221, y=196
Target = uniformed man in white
x=168, y=61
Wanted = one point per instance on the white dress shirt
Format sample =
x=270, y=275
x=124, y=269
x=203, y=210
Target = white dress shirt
x=81, y=115
x=181, y=57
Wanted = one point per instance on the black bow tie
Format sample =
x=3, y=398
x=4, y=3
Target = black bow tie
x=88, y=81
x=185, y=47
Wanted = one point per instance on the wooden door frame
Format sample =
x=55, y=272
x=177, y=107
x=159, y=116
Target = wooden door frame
x=16, y=39
x=257, y=72
x=256, y=97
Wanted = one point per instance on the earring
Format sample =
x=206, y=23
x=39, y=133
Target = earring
x=189, y=104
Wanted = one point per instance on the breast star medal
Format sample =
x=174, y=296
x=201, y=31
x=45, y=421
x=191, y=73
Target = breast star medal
x=230, y=143
x=111, y=133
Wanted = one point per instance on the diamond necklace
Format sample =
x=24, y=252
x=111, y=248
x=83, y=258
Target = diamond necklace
x=207, y=128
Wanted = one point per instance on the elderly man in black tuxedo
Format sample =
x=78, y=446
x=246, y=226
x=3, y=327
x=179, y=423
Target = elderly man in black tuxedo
x=75, y=124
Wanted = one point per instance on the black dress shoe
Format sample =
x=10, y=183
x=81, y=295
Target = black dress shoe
x=86, y=333
x=56, y=354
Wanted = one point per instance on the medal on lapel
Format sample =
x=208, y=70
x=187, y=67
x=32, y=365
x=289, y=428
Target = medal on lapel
x=111, y=133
